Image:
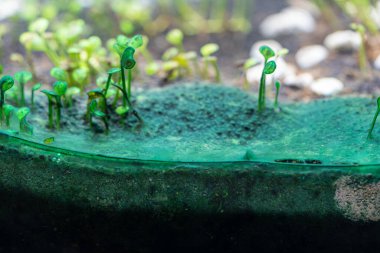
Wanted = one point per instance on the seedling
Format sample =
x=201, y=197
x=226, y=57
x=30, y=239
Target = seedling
x=34, y=88
x=269, y=68
x=175, y=38
x=129, y=104
x=363, y=61
x=97, y=94
x=95, y=112
x=126, y=49
x=369, y=136
x=22, y=78
x=51, y=95
x=207, y=51
x=22, y=114
x=278, y=86
x=59, y=74
x=8, y=110
x=6, y=82
x=60, y=88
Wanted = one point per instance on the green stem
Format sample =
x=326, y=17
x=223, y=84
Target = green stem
x=276, y=98
x=50, y=114
x=22, y=84
x=217, y=71
x=58, y=119
x=124, y=86
x=2, y=97
x=32, y=98
x=129, y=83
x=108, y=84
x=262, y=93
x=373, y=124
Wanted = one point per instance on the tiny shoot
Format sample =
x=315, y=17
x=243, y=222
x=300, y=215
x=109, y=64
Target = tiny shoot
x=369, y=136
x=23, y=77
x=6, y=82
x=278, y=86
x=269, y=68
x=34, y=89
x=207, y=52
x=22, y=114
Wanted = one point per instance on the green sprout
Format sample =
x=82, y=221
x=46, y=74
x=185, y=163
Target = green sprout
x=8, y=110
x=22, y=114
x=70, y=93
x=269, y=68
x=175, y=38
x=363, y=61
x=95, y=112
x=59, y=74
x=278, y=86
x=22, y=77
x=97, y=94
x=6, y=82
x=126, y=49
x=51, y=97
x=130, y=106
x=34, y=89
x=369, y=136
x=207, y=51
x=60, y=88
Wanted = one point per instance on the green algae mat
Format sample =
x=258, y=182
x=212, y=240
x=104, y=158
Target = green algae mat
x=214, y=123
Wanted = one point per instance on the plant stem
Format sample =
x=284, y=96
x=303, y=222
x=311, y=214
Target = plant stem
x=108, y=84
x=373, y=124
x=32, y=98
x=217, y=71
x=129, y=83
x=276, y=99
x=123, y=85
x=262, y=93
x=22, y=84
x=50, y=114
x=2, y=97
x=134, y=112
x=58, y=119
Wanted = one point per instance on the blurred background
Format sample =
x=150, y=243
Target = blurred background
x=328, y=47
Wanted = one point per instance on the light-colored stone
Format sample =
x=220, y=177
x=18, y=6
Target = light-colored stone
x=327, y=86
x=346, y=40
x=301, y=80
x=291, y=20
x=310, y=56
x=8, y=8
x=376, y=63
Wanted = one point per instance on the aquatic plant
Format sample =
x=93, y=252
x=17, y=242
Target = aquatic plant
x=95, y=112
x=22, y=77
x=248, y=64
x=22, y=114
x=51, y=98
x=278, y=86
x=269, y=68
x=126, y=49
x=175, y=38
x=207, y=52
x=34, y=89
x=363, y=61
x=8, y=110
x=369, y=136
x=6, y=82
x=60, y=88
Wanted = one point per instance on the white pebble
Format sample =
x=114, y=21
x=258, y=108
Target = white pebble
x=9, y=8
x=301, y=80
x=291, y=20
x=376, y=63
x=346, y=40
x=310, y=56
x=326, y=86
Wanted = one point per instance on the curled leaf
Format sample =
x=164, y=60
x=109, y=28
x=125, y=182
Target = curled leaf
x=22, y=113
x=6, y=82
x=267, y=52
x=127, y=59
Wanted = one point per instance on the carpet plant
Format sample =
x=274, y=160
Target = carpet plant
x=269, y=68
x=6, y=82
